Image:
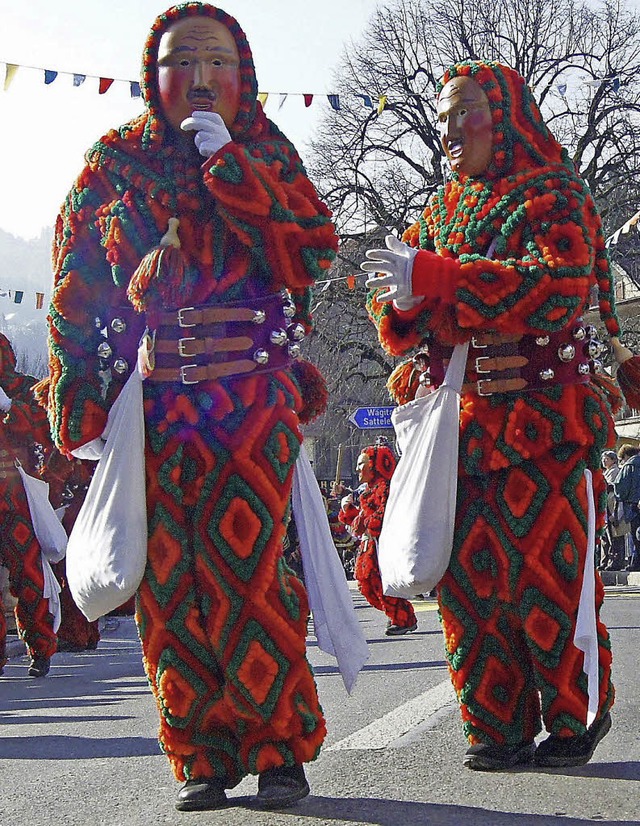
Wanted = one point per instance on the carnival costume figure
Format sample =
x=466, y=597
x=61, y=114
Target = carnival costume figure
x=364, y=520
x=24, y=431
x=505, y=256
x=226, y=298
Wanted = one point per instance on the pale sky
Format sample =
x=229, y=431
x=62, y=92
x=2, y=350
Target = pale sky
x=45, y=129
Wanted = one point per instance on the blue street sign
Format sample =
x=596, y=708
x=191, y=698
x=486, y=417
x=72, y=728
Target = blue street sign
x=371, y=418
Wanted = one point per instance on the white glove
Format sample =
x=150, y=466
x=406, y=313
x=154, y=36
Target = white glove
x=397, y=262
x=5, y=401
x=346, y=500
x=211, y=133
x=92, y=450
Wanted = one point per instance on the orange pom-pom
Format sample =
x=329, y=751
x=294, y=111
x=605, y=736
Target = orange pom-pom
x=403, y=382
x=313, y=389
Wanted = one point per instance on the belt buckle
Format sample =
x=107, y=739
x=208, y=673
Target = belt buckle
x=476, y=345
x=183, y=378
x=181, y=343
x=479, y=383
x=478, y=368
x=181, y=321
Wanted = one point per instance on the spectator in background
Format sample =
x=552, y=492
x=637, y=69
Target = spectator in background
x=627, y=490
x=616, y=529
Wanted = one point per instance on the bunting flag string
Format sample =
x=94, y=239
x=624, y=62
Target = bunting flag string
x=17, y=296
x=105, y=83
x=634, y=221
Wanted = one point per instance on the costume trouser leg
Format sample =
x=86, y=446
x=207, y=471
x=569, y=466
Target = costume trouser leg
x=221, y=617
x=367, y=573
x=20, y=553
x=75, y=629
x=3, y=636
x=509, y=602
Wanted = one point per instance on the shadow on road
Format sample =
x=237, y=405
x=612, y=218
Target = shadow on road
x=61, y=747
x=392, y=812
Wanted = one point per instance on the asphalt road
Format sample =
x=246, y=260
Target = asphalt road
x=79, y=747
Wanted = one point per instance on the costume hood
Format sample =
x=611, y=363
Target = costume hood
x=521, y=139
x=250, y=120
x=383, y=462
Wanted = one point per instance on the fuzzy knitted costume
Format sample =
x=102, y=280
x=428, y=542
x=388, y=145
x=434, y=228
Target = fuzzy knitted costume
x=509, y=598
x=365, y=522
x=21, y=428
x=222, y=620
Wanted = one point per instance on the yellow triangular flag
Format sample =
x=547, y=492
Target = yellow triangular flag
x=382, y=102
x=10, y=73
x=262, y=97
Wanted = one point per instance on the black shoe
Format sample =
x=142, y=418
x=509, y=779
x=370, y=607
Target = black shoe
x=398, y=630
x=39, y=666
x=206, y=793
x=558, y=752
x=281, y=787
x=489, y=757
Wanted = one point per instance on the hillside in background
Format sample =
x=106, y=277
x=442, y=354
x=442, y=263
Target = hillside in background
x=26, y=265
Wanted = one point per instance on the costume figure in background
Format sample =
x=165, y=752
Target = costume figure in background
x=616, y=529
x=68, y=483
x=505, y=256
x=375, y=468
x=627, y=490
x=23, y=428
x=221, y=617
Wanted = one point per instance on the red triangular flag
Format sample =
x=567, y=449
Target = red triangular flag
x=105, y=82
x=351, y=281
x=307, y=100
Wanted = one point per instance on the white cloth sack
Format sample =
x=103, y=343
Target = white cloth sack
x=334, y=618
x=414, y=547
x=585, y=637
x=107, y=550
x=51, y=591
x=49, y=532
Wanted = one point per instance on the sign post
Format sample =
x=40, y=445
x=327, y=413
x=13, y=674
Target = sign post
x=372, y=418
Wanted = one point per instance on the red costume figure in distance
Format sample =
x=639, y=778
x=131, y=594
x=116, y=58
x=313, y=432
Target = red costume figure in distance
x=375, y=468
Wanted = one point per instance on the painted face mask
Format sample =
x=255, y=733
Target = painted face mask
x=465, y=126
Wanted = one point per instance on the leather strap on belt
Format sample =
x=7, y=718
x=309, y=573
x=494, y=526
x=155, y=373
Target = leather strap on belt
x=499, y=363
x=191, y=346
x=493, y=340
x=194, y=373
x=487, y=387
x=191, y=316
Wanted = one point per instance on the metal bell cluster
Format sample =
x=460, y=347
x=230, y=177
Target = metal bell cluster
x=105, y=350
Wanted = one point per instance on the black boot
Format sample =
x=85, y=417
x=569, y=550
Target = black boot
x=281, y=787
x=39, y=666
x=204, y=794
x=490, y=757
x=559, y=752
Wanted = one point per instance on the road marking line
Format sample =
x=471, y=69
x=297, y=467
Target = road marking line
x=400, y=726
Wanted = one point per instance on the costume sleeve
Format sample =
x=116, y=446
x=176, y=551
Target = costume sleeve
x=537, y=283
x=83, y=286
x=26, y=421
x=269, y=203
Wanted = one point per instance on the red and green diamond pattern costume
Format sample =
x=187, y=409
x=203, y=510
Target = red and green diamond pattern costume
x=510, y=597
x=221, y=618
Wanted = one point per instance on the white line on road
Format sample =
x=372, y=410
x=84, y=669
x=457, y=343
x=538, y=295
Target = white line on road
x=401, y=726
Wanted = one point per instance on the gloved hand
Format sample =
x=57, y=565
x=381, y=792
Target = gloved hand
x=397, y=262
x=5, y=401
x=211, y=132
x=346, y=500
x=92, y=450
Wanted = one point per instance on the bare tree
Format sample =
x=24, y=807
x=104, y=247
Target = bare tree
x=583, y=63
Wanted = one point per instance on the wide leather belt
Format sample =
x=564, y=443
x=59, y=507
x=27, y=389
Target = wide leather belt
x=499, y=363
x=207, y=343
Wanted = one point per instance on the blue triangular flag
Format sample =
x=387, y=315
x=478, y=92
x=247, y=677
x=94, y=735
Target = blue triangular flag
x=334, y=100
x=366, y=100
x=49, y=76
x=78, y=80
x=135, y=89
